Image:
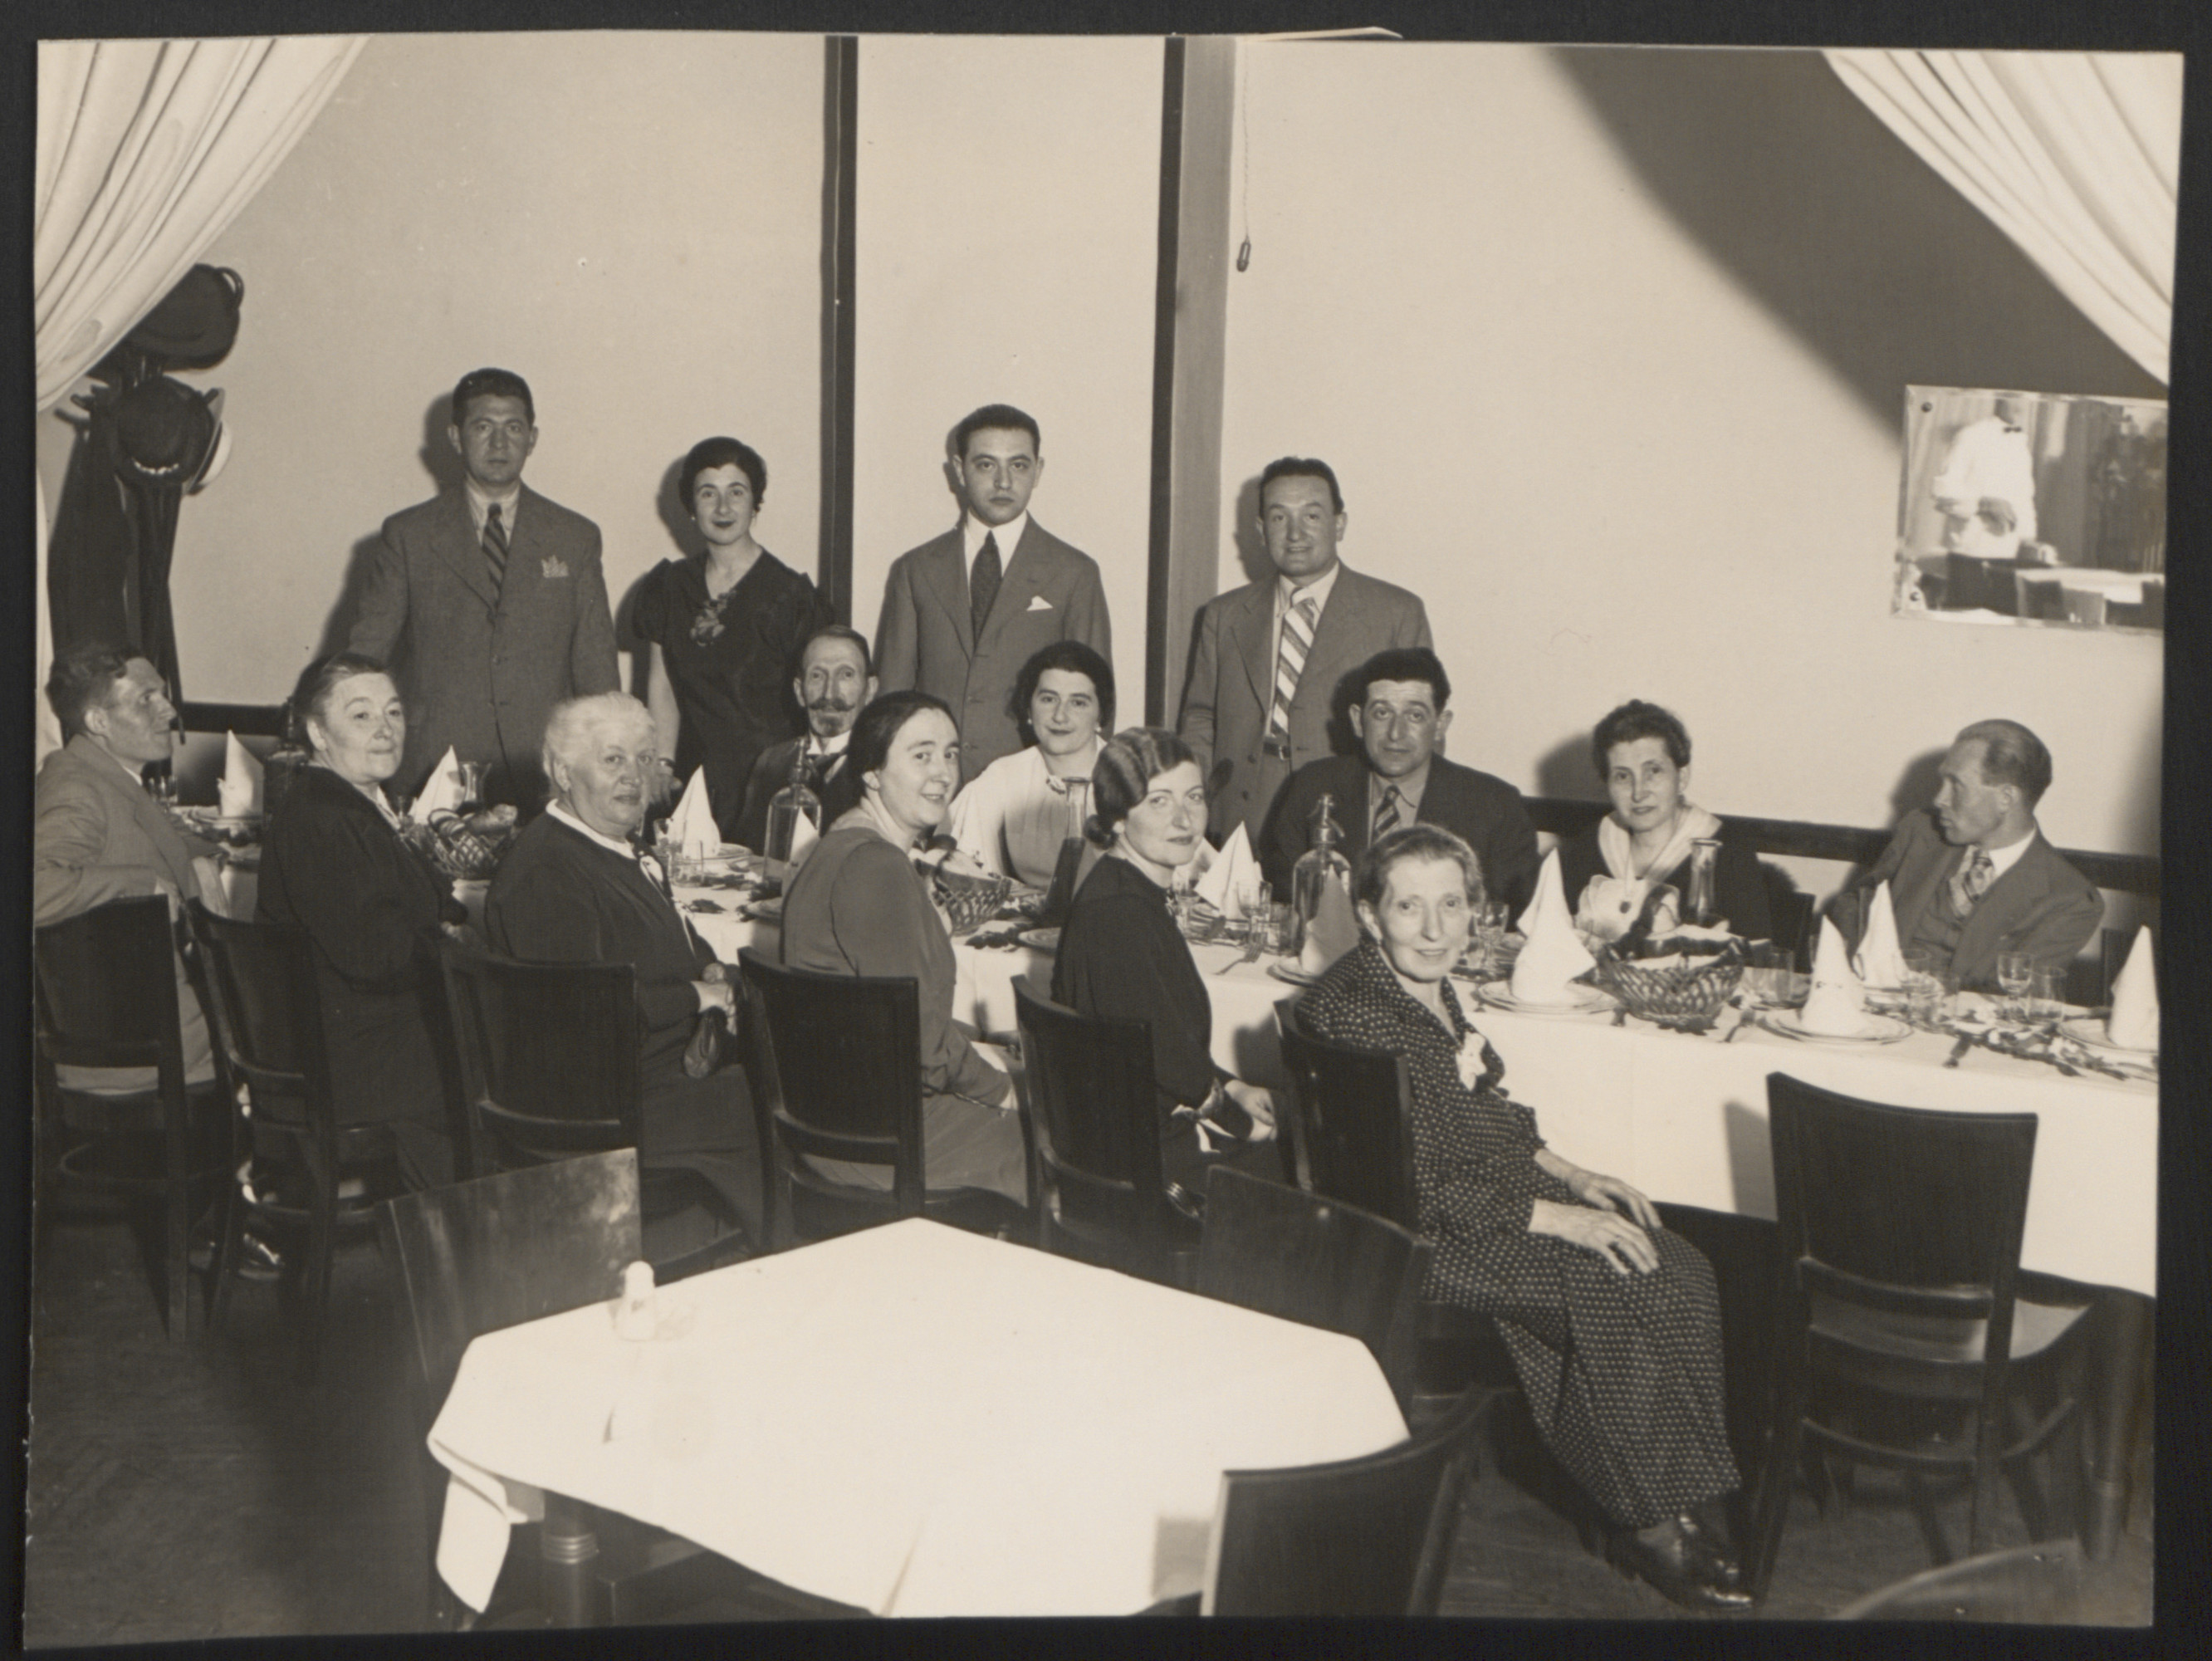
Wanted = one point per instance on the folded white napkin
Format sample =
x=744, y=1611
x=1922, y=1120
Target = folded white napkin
x=1555, y=954
x=441, y=792
x=239, y=791
x=1835, y=1007
x=2133, y=1024
x=1332, y=932
x=1234, y=870
x=1880, y=963
x=804, y=836
x=691, y=827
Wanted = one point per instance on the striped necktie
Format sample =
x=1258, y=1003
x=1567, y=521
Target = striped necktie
x=1972, y=881
x=1386, y=814
x=1289, y=663
x=494, y=548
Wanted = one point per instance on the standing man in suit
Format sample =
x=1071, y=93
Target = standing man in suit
x=835, y=681
x=1268, y=656
x=963, y=613
x=499, y=597
x=1972, y=876
x=1398, y=714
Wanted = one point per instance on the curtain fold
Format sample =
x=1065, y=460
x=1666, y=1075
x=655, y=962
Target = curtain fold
x=2074, y=155
x=147, y=151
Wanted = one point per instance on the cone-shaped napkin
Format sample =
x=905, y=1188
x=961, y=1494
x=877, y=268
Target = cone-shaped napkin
x=804, y=836
x=1233, y=870
x=1835, y=1007
x=239, y=790
x=441, y=791
x=1880, y=962
x=691, y=827
x=1332, y=932
x=1555, y=953
x=2133, y=1024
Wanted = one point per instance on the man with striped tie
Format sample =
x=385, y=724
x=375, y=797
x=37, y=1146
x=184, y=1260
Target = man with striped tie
x=1268, y=656
x=495, y=599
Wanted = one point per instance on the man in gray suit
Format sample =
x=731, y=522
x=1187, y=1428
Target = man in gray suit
x=963, y=613
x=497, y=596
x=1267, y=656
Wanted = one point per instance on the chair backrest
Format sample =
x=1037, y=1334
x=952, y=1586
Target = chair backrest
x=1354, y=1130
x=1905, y=1210
x=1095, y=1111
x=838, y=1059
x=268, y=1013
x=106, y=988
x=1365, y=1536
x=1308, y=1258
x=549, y=1056
x=495, y=1252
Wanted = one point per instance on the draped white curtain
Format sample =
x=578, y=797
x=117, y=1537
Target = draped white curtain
x=2073, y=156
x=147, y=150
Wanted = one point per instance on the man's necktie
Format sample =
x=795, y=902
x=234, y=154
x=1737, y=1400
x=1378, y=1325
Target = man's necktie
x=983, y=584
x=1289, y=663
x=1972, y=880
x=494, y=548
x=1386, y=813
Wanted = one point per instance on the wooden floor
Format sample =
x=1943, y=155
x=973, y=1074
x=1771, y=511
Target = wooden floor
x=230, y=1502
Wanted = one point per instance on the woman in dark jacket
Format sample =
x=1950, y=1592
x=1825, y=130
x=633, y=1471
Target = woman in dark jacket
x=334, y=865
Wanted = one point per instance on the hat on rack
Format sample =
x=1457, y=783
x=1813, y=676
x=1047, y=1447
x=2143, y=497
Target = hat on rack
x=193, y=325
x=166, y=433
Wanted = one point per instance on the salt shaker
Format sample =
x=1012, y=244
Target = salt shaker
x=634, y=1319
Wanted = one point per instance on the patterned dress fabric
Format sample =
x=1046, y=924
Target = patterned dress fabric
x=1622, y=1371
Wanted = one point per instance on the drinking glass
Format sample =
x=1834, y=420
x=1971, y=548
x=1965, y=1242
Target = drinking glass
x=2015, y=973
x=473, y=780
x=1489, y=925
x=2046, y=996
x=162, y=785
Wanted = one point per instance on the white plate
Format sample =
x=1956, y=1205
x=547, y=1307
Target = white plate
x=1040, y=940
x=1884, y=1029
x=2089, y=1031
x=1584, y=1001
x=1283, y=969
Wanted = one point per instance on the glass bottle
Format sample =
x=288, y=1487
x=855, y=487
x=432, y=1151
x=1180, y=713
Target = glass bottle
x=795, y=801
x=1319, y=864
x=1702, y=905
x=1068, y=869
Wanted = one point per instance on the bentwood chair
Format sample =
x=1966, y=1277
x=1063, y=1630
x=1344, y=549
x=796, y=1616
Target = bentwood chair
x=104, y=995
x=269, y=1020
x=2027, y=1585
x=836, y=1067
x=1899, y=1236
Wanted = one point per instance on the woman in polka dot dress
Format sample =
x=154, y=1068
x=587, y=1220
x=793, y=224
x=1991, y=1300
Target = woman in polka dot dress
x=1612, y=1322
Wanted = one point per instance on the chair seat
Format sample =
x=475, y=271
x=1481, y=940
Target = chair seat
x=2035, y=1328
x=96, y=1113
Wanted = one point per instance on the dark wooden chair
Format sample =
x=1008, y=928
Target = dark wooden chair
x=835, y=1061
x=268, y=1019
x=1094, y=1111
x=551, y=1058
x=1898, y=1236
x=104, y=995
x=2028, y=1585
x=1308, y=1258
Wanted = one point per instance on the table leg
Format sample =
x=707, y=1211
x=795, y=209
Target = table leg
x=2115, y=1388
x=569, y=1547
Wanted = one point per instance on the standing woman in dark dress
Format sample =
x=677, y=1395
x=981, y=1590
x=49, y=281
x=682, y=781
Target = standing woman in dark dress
x=1122, y=958
x=1613, y=1324
x=333, y=864
x=723, y=629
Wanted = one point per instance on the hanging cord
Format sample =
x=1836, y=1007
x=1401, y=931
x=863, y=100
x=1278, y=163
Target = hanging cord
x=1244, y=120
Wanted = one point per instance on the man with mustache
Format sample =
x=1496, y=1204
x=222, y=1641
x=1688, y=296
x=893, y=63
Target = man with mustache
x=835, y=679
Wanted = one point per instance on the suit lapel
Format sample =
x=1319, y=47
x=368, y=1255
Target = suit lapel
x=1250, y=628
x=163, y=841
x=1333, y=635
x=456, y=544
x=1909, y=905
x=944, y=573
x=2007, y=899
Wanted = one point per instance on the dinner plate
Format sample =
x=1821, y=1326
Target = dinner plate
x=2089, y=1031
x=1284, y=970
x=1040, y=940
x=1585, y=1001
x=1885, y=1029
x=769, y=910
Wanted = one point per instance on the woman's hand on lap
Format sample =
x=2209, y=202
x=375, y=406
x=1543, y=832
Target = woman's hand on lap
x=1626, y=1247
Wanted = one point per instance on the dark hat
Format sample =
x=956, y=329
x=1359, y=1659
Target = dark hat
x=167, y=434
x=195, y=323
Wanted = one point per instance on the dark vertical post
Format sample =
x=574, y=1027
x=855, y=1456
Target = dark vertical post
x=1158, y=571
x=839, y=194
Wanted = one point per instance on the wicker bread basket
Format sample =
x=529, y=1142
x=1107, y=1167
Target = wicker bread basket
x=1685, y=994
x=468, y=855
x=969, y=902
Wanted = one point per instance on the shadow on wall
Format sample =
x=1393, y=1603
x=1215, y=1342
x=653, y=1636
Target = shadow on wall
x=442, y=462
x=1829, y=220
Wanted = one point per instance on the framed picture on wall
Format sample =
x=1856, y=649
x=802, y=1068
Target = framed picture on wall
x=2031, y=509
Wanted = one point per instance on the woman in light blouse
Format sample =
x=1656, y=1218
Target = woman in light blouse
x=1013, y=816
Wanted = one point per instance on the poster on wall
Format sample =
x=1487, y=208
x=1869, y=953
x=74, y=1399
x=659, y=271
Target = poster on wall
x=2032, y=509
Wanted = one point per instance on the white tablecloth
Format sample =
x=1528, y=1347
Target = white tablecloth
x=913, y=1419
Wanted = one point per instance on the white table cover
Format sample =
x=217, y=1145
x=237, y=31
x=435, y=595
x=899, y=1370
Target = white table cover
x=913, y=1418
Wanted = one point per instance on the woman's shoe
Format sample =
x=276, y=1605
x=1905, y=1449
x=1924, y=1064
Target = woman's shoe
x=1676, y=1570
x=1704, y=1545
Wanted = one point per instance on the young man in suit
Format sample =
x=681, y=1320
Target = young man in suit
x=1972, y=876
x=1267, y=656
x=1398, y=714
x=836, y=682
x=963, y=612
x=498, y=597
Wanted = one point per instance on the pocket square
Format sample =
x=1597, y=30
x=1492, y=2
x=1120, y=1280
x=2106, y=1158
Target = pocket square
x=1039, y=603
x=554, y=566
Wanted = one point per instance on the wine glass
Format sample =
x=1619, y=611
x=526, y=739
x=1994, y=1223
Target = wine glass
x=2015, y=973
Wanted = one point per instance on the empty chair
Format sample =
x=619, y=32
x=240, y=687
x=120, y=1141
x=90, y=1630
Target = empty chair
x=105, y=986
x=1308, y=1258
x=1899, y=1237
x=835, y=1074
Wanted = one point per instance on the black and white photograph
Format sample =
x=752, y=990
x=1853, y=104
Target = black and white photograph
x=830, y=826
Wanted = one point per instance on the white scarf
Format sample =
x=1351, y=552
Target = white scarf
x=1610, y=903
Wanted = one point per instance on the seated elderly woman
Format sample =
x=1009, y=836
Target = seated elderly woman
x=860, y=906
x=1612, y=1322
x=1121, y=956
x=333, y=864
x=1642, y=754
x=575, y=888
x=1012, y=818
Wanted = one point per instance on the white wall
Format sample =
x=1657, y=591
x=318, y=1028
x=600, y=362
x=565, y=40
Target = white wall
x=1007, y=249
x=632, y=221
x=1617, y=463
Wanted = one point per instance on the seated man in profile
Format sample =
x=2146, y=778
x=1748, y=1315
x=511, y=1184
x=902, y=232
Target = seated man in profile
x=835, y=681
x=1398, y=714
x=1972, y=877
